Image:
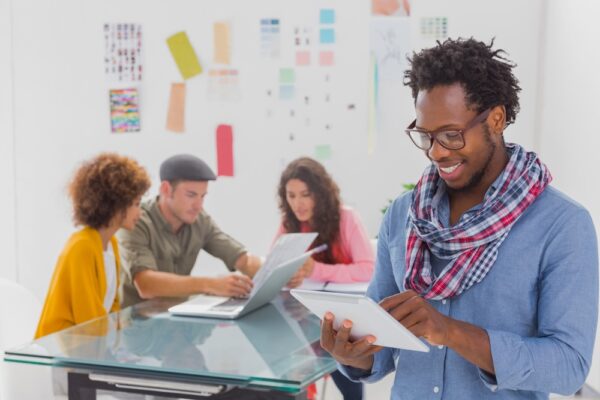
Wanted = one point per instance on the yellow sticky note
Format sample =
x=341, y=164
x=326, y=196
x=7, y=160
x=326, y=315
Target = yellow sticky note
x=184, y=55
x=222, y=47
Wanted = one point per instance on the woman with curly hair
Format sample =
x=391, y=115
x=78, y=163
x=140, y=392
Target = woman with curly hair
x=309, y=201
x=106, y=193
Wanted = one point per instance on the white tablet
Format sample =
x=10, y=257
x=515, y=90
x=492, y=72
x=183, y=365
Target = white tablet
x=367, y=317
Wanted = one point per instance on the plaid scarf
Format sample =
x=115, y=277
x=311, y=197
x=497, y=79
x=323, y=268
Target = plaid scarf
x=471, y=246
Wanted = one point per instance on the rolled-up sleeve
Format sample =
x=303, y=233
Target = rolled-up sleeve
x=221, y=245
x=558, y=358
x=135, y=250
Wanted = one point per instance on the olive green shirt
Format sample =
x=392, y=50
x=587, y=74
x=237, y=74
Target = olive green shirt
x=153, y=245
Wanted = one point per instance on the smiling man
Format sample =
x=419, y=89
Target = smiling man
x=484, y=260
x=161, y=251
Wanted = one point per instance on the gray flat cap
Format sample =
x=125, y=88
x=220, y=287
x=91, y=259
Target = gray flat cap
x=185, y=167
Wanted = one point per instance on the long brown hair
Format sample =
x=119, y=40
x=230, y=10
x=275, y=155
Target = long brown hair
x=326, y=196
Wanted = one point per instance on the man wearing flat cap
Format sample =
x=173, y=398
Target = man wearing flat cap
x=161, y=251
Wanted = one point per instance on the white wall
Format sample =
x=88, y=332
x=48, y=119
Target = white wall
x=569, y=135
x=8, y=267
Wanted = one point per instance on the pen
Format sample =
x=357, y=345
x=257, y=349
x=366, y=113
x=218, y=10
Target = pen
x=318, y=249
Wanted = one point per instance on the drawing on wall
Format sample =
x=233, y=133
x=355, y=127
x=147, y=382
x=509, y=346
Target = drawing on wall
x=184, y=55
x=270, y=39
x=435, y=28
x=390, y=44
x=223, y=84
x=123, y=52
x=176, y=112
x=124, y=110
x=222, y=43
x=224, y=142
x=395, y=8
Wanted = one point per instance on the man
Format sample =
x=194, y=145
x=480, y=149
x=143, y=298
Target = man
x=161, y=251
x=492, y=267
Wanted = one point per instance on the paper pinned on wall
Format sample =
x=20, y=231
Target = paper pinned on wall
x=287, y=76
x=302, y=58
x=270, y=37
x=435, y=28
x=224, y=150
x=222, y=43
x=124, y=110
x=327, y=16
x=327, y=36
x=176, y=113
x=286, y=92
x=184, y=55
x=323, y=152
x=123, y=52
x=326, y=58
x=223, y=85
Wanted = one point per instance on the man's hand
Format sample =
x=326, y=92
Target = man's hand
x=358, y=354
x=418, y=316
x=233, y=285
x=304, y=272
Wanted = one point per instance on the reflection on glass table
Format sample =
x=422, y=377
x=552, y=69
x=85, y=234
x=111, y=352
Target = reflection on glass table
x=275, y=347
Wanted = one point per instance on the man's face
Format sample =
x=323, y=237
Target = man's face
x=186, y=200
x=444, y=107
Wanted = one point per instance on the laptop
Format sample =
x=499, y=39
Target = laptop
x=287, y=256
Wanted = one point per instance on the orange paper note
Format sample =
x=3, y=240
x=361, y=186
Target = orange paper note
x=222, y=43
x=176, y=115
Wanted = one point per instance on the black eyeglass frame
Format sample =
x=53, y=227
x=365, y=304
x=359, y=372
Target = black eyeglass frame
x=432, y=135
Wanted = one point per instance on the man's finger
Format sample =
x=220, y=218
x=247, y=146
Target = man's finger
x=395, y=300
x=327, y=333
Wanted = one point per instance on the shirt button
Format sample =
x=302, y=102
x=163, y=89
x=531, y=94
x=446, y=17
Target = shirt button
x=444, y=301
x=436, y=389
x=440, y=347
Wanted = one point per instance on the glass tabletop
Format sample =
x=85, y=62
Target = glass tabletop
x=274, y=346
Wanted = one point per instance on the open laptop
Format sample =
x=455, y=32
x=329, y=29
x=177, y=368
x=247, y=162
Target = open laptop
x=287, y=256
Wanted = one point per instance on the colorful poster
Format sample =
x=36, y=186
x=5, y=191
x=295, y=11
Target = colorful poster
x=390, y=8
x=287, y=79
x=270, y=37
x=224, y=150
x=184, y=55
x=123, y=52
x=327, y=16
x=124, y=110
x=222, y=43
x=176, y=113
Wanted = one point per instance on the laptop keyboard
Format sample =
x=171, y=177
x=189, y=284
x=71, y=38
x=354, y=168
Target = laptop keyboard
x=230, y=304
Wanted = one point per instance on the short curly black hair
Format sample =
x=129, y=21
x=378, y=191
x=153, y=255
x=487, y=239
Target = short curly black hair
x=485, y=74
x=104, y=186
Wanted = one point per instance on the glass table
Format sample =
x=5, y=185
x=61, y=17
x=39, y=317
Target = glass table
x=144, y=349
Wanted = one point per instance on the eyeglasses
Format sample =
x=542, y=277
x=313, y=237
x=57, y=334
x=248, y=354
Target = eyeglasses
x=449, y=139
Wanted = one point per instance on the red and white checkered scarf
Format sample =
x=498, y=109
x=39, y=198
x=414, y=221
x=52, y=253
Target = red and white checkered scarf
x=471, y=246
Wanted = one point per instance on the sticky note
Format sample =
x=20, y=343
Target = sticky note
x=287, y=75
x=327, y=16
x=222, y=43
x=224, y=150
x=323, y=152
x=176, y=114
x=302, y=58
x=326, y=58
x=184, y=55
x=327, y=36
x=286, y=92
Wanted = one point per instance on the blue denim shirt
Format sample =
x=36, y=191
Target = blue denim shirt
x=538, y=304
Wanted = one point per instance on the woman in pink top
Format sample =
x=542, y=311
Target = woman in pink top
x=309, y=200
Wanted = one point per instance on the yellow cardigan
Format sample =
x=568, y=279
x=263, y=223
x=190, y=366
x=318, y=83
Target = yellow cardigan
x=78, y=285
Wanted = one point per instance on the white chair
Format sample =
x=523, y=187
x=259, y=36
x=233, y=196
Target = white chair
x=19, y=313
